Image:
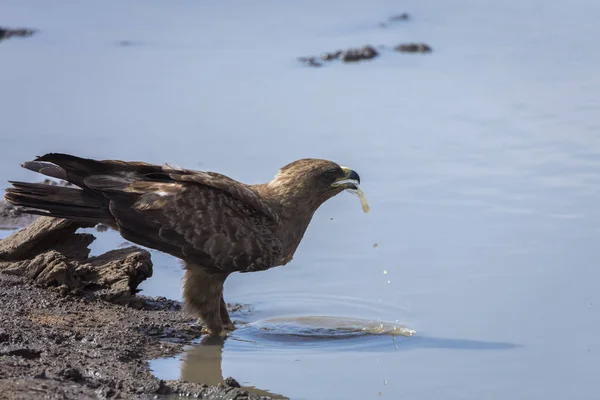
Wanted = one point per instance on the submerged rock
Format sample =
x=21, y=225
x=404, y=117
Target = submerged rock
x=331, y=56
x=6, y=33
x=310, y=61
x=400, y=17
x=363, y=53
x=395, y=18
x=413, y=48
x=349, y=55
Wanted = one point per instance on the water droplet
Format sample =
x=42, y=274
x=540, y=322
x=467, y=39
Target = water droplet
x=385, y=382
x=385, y=271
x=389, y=282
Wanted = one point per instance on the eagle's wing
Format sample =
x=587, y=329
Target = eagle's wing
x=197, y=222
x=218, y=181
x=201, y=217
x=200, y=224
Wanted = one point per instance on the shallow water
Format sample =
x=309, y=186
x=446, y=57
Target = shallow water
x=480, y=161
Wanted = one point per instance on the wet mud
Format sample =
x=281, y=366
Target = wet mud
x=73, y=327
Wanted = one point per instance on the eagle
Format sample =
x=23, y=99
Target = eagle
x=213, y=223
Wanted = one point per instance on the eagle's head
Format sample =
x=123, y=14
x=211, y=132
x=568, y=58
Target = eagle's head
x=310, y=182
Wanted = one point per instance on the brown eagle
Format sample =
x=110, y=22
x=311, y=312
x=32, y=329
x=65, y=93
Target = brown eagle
x=215, y=224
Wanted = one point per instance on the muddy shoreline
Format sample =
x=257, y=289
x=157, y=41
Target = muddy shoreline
x=73, y=327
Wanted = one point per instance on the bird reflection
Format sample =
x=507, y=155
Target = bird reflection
x=202, y=364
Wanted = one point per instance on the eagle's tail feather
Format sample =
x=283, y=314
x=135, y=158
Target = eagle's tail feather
x=67, y=167
x=59, y=201
x=46, y=168
x=95, y=182
x=76, y=169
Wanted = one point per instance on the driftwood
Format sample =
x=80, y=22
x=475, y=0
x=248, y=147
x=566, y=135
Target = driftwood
x=52, y=254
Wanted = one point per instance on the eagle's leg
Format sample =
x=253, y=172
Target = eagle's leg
x=227, y=323
x=202, y=296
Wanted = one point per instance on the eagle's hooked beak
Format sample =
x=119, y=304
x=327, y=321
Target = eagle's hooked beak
x=350, y=180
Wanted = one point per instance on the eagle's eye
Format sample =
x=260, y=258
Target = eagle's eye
x=331, y=174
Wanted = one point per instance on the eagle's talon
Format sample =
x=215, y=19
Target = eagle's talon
x=229, y=327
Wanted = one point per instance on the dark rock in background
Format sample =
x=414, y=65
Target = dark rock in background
x=6, y=33
x=413, y=48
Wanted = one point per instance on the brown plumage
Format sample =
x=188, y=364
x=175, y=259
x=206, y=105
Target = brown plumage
x=215, y=224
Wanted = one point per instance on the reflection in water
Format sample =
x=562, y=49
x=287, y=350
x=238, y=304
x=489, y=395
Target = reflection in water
x=203, y=364
x=334, y=334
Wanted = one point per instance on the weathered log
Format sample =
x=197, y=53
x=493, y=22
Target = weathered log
x=51, y=253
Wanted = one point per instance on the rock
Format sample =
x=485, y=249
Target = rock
x=6, y=33
x=369, y=52
x=413, y=48
x=331, y=56
x=309, y=61
x=396, y=18
x=232, y=382
x=71, y=374
x=400, y=17
x=363, y=53
x=350, y=55
x=27, y=354
x=101, y=228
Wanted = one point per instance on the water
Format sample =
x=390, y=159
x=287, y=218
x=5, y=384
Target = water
x=480, y=161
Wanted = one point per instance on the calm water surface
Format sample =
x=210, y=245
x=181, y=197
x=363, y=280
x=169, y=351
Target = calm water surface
x=481, y=163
